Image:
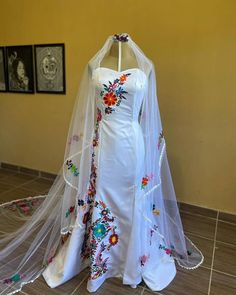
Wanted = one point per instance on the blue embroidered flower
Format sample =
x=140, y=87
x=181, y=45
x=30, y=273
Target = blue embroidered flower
x=99, y=230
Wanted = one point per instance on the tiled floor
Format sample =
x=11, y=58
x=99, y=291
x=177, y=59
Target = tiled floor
x=213, y=232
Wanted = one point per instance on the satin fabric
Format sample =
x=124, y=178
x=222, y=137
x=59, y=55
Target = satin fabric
x=115, y=228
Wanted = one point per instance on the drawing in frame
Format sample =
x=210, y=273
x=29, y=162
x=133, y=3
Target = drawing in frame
x=50, y=68
x=3, y=75
x=20, y=68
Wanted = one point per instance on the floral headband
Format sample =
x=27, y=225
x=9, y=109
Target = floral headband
x=121, y=37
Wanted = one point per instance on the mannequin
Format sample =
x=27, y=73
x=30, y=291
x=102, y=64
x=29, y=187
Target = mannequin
x=135, y=208
x=123, y=52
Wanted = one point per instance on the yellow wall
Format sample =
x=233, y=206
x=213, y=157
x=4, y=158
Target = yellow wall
x=193, y=46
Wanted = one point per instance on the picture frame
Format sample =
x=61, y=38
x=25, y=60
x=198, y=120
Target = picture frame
x=20, y=69
x=3, y=72
x=50, y=68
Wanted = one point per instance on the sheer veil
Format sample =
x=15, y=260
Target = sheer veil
x=44, y=222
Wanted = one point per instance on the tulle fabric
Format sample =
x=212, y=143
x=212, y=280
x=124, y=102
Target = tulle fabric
x=44, y=222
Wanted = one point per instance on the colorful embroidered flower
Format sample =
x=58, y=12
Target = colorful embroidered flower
x=154, y=210
x=15, y=278
x=167, y=250
x=70, y=210
x=99, y=230
x=99, y=115
x=72, y=167
x=114, y=93
x=123, y=79
x=145, y=180
x=143, y=259
x=80, y=202
x=108, y=110
x=94, y=241
x=24, y=206
x=113, y=239
x=64, y=237
x=110, y=99
x=104, y=212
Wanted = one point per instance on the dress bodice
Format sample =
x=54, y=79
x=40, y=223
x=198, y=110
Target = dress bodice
x=119, y=94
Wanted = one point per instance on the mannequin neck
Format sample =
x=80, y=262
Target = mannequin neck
x=127, y=57
x=125, y=50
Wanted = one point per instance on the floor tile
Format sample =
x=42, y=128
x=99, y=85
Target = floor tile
x=205, y=246
x=226, y=232
x=222, y=284
x=112, y=286
x=40, y=185
x=149, y=292
x=15, y=194
x=39, y=286
x=227, y=217
x=199, y=225
x=187, y=282
x=198, y=210
x=225, y=258
x=18, y=179
x=4, y=187
x=5, y=173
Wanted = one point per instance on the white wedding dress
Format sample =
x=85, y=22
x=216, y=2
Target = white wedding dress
x=112, y=242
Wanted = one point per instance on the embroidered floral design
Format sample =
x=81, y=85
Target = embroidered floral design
x=113, y=239
x=154, y=210
x=121, y=37
x=145, y=180
x=72, y=167
x=160, y=138
x=96, y=135
x=70, y=210
x=15, y=278
x=25, y=206
x=110, y=99
x=114, y=93
x=89, y=198
x=75, y=137
x=143, y=259
x=99, y=230
x=64, y=237
x=50, y=258
x=167, y=250
x=80, y=202
x=155, y=227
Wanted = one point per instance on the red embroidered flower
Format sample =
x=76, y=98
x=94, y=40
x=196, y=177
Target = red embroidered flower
x=168, y=251
x=72, y=209
x=99, y=115
x=113, y=239
x=144, y=182
x=110, y=99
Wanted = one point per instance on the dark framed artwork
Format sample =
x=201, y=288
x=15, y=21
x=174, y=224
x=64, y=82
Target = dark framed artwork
x=3, y=75
x=50, y=68
x=20, y=71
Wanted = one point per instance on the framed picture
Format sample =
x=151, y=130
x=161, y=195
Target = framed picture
x=20, y=71
x=3, y=76
x=50, y=68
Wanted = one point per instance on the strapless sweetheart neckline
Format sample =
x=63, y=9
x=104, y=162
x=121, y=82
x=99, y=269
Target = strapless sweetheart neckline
x=120, y=72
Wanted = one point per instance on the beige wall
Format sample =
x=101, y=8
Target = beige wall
x=193, y=46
